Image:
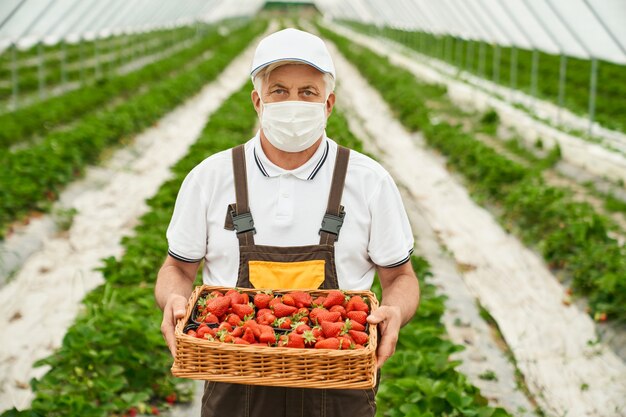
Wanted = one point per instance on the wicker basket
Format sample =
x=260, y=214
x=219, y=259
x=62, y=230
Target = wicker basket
x=275, y=366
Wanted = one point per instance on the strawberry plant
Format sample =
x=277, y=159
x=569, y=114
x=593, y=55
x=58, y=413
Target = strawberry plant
x=570, y=234
x=30, y=178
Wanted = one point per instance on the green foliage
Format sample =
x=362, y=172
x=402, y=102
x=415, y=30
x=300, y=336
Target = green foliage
x=420, y=379
x=30, y=178
x=114, y=357
x=611, y=85
x=570, y=234
x=43, y=116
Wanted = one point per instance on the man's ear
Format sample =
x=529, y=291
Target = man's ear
x=256, y=101
x=330, y=103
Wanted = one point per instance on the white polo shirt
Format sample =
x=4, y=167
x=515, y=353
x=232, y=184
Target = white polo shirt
x=287, y=208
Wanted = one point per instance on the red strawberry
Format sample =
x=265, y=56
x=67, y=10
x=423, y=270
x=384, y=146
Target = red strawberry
x=331, y=329
x=263, y=311
x=243, y=310
x=289, y=300
x=328, y=316
x=171, y=399
x=334, y=297
x=237, y=332
x=254, y=326
x=267, y=334
x=301, y=298
x=340, y=310
x=235, y=297
x=266, y=319
x=233, y=320
x=346, y=342
x=319, y=301
x=283, y=310
x=300, y=328
x=262, y=300
x=331, y=343
x=191, y=333
x=317, y=332
x=354, y=325
x=218, y=306
x=226, y=326
x=216, y=293
x=275, y=301
x=358, y=316
x=295, y=340
x=240, y=341
x=201, y=331
x=314, y=312
x=282, y=341
x=211, y=319
x=359, y=347
x=360, y=338
x=248, y=336
x=132, y=412
x=356, y=303
x=154, y=411
x=245, y=297
x=282, y=323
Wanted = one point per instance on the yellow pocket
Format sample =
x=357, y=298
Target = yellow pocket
x=292, y=275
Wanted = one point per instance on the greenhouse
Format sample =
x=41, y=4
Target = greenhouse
x=466, y=160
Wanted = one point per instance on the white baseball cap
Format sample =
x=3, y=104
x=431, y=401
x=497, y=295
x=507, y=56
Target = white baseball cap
x=292, y=45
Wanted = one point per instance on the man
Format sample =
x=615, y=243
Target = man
x=301, y=212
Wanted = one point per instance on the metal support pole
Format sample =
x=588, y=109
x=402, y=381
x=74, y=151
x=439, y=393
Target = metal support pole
x=81, y=52
x=63, y=62
x=513, y=70
x=459, y=53
x=496, y=64
x=592, y=94
x=14, y=76
x=534, y=72
x=470, y=56
x=40, y=70
x=562, y=78
x=481, y=58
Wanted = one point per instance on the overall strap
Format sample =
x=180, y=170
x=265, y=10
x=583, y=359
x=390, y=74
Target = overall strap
x=241, y=216
x=333, y=219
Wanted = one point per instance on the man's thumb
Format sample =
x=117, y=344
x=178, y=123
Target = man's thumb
x=375, y=318
x=178, y=307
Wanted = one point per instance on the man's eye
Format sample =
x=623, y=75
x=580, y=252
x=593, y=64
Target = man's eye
x=279, y=91
x=308, y=93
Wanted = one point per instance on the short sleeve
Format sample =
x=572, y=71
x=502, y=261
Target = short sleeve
x=187, y=231
x=391, y=238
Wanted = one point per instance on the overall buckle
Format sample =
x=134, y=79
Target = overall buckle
x=243, y=222
x=332, y=223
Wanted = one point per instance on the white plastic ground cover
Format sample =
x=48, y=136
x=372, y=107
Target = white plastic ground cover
x=566, y=371
x=464, y=325
x=42, y=300
x=593, y=158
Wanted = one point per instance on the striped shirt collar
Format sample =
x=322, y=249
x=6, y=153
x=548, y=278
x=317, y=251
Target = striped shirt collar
x=305, y=172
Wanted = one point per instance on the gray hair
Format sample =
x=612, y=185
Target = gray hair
x=264, y=75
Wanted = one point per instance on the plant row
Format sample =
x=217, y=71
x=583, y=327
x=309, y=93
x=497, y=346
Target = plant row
x=420, y=379
x=611, y=85
x=39, y=118
x=294, y=319
x=113, y=358
x=30, y=178
x=93, y=63
x=28, y=60
x=571, y=235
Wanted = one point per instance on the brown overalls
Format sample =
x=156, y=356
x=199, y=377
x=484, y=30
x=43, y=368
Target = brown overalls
x=286, y=267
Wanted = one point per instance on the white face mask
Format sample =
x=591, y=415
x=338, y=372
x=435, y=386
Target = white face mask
x=293, y=126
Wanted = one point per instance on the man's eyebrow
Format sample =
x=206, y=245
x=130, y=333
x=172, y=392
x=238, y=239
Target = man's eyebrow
x=310, y=86
x=278, y=84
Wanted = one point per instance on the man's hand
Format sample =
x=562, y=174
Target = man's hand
x=389, y=320
x=174, y=310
